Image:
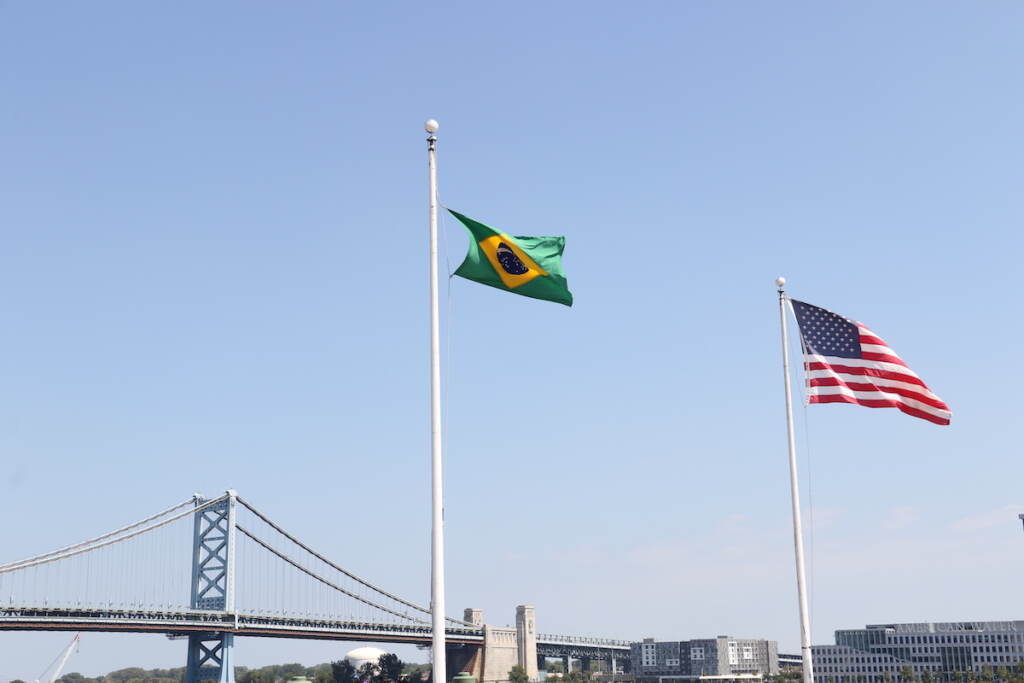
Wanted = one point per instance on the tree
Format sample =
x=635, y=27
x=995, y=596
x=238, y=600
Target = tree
x=273, y=673
x=926, y=676
x=342, y=671
x=416, y=672
x=986, y=672
x=886, y=677
x=17, y=680
x=518, y=675
x=390, y=667
x=1002, y=673
x=368, y=672
x=906, y=674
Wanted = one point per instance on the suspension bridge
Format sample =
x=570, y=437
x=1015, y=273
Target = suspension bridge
x=247, y=576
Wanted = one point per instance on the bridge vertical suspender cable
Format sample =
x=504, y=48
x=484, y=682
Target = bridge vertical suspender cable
x=105, y=536
x=338, y=568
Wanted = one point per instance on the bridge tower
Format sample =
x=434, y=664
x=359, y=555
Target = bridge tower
x=210, y=655
x=526, y=640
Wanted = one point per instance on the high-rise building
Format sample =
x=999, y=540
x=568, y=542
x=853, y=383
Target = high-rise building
x=866, y=655
x=721, y=657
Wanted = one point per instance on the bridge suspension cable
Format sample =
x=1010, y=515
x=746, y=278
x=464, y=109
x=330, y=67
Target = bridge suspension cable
x=144, y=571
x=77, y=549
x=326, y=561
x=322, y=579
x=26, y=561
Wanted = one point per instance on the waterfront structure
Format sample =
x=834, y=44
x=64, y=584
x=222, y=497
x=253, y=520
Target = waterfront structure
x=878, y=653
x=722, y=657
x=300, y=595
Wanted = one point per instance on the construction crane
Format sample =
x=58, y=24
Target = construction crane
x=63, y=657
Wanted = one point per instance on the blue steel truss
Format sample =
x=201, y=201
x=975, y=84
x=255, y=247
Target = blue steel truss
x=210, y=655
x=213, y=552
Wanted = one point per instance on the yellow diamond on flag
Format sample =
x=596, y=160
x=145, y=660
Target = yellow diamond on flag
x=527, y=265
x=513, y=265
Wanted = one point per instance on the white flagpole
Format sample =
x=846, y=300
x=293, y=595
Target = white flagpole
x=437, y=611
x=798, y=534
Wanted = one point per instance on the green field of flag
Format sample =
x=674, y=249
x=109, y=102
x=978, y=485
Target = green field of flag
x=530, y=266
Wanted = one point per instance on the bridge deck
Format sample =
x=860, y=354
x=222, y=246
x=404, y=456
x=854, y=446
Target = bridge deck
x=28, y=619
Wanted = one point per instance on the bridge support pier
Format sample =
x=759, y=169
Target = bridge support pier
x=210, y=655
x=504, y=648
x=526, y=640
x=227, y=658
x=460, y=658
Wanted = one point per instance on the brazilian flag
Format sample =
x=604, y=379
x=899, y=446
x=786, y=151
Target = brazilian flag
x=531, y=266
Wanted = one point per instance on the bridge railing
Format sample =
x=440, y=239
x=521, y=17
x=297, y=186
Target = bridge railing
x=180, y=622
x=582, y=640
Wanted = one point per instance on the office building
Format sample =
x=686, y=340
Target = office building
x=867, y=655
x=722, y=658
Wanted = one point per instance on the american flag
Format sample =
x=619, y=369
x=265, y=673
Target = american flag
x=848, y=363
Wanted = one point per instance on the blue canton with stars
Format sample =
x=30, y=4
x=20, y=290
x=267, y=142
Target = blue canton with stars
x=827, y=333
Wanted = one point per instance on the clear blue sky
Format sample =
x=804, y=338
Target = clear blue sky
x=213, y=275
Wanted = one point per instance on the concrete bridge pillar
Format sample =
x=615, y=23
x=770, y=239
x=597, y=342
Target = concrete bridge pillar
x=505, y=648
x=567, y=664
x=526, y=640
x=500, y=654
x=468, y=658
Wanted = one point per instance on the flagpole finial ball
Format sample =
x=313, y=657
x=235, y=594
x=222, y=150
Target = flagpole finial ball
x=431, y=126
x=780, y=282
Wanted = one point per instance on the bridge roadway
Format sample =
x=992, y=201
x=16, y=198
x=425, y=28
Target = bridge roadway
x=579, y=647
x=196, y=621
x=185, y=622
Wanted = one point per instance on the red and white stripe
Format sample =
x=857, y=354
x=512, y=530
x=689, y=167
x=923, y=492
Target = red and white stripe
x=878, y=379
